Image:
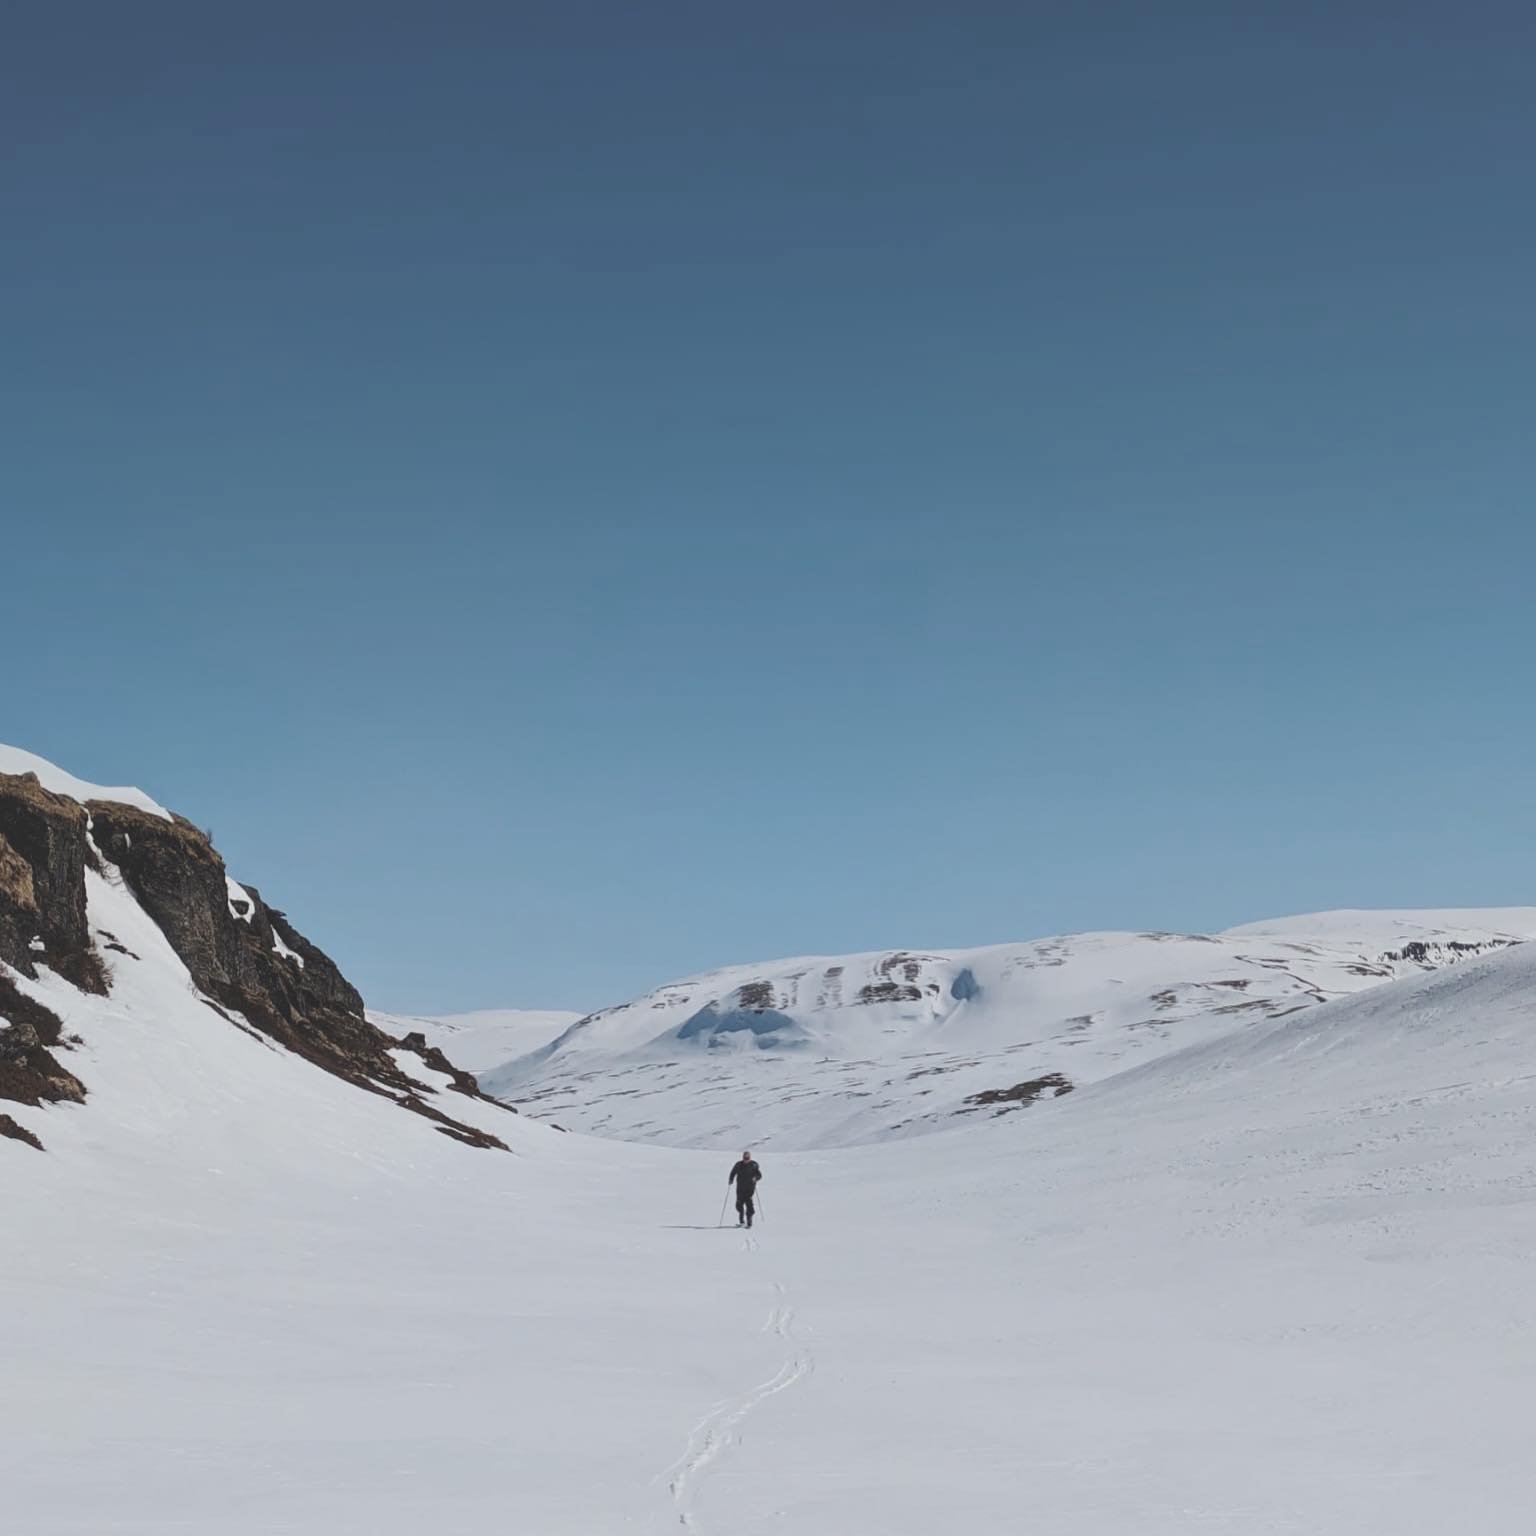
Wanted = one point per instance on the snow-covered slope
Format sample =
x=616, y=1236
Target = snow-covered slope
x=831, y=1051
x=484, y=1039
x=1279, y=1282
x=1276, y=1281
x=157, y=1058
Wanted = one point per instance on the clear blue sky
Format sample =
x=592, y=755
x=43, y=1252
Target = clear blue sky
x=578, y=493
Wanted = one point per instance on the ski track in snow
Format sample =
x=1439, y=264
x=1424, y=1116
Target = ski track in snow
x=719, y=1431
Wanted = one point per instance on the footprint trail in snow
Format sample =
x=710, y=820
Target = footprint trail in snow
x=719, y=1431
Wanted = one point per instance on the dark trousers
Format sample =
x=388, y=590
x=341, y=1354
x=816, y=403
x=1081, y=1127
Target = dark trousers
x=744, y=1207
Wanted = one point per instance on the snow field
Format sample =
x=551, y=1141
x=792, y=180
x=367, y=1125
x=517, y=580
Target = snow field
x=1281, y=1284
x=1276, y=1274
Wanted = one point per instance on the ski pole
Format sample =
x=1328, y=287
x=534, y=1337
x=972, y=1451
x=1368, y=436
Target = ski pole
x=723, y=1205
x=760, y=1211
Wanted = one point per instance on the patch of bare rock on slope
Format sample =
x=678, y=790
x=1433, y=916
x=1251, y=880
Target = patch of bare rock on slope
x=29, y=1071
x=251, y=965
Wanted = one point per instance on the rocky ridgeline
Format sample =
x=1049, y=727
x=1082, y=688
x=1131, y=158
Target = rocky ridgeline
x=251, y=965
x=1432, y=955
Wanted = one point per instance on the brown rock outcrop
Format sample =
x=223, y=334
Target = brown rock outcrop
x=247, y=959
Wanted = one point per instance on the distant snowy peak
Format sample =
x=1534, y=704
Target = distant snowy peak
x=824, y=1050
x=781, y=1011
x=1388, y=928
x=481, y=1040
x=14, y=760
x=851, y=1002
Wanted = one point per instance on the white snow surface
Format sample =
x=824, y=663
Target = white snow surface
x=1276, y=1282
x=14, y=760
x=241, y=905
x=1270, y=1272
x=483, y=1039
x=283, y=951
x=832, y=1051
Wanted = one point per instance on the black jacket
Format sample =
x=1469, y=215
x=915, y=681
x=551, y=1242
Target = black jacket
x=744, y=1175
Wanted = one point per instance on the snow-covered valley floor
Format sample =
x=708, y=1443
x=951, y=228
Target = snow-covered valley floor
x=1279, y=1283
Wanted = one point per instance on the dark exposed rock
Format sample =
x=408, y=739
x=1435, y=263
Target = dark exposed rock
x=1053, y=1084
x=16, y=1040
x=908, y=967
x=889, y=992
x=255, y=969
x=22, y=1012
x=432, y=1056
x=29, y=1071
x=1417, y=952
x=755, y=996
x=9, y=1127
x=44, y=851
x=258, y=965
x=470, y=1135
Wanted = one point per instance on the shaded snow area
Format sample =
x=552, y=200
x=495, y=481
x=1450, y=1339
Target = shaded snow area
x=837, y=1051
x=479, y=1041
x=56, y=780
x=1278, y=1281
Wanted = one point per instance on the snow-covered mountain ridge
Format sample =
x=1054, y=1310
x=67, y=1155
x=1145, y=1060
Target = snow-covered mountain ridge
x=84, y=869
x=822, y=1051
x=485, y=1038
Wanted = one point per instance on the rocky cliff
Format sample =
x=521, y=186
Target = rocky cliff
x=44, y=851
x=248, y=962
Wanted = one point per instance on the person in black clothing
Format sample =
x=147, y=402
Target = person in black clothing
x=744, y=1176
